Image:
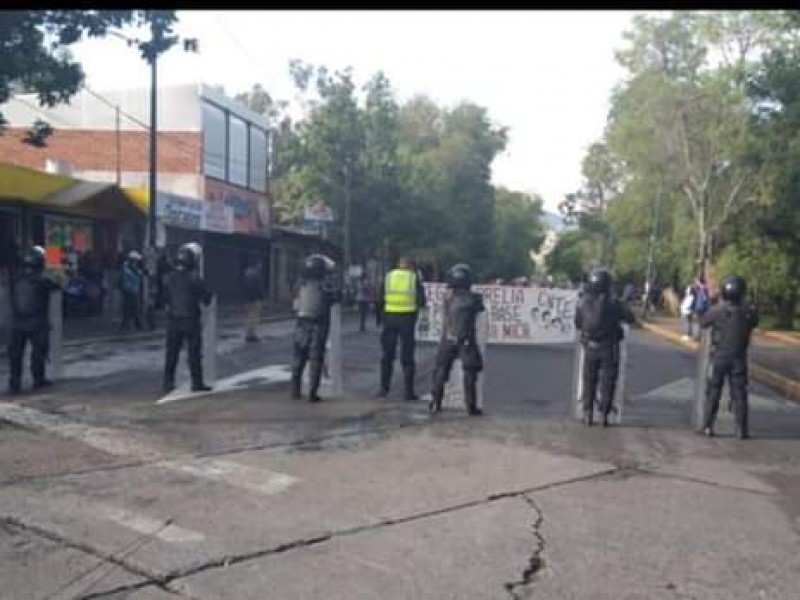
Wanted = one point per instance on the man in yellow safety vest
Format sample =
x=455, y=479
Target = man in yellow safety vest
x=401, y=297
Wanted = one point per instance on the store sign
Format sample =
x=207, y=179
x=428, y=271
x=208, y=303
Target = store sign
x=218, y=217
x=517, y=315
x=250, y=211
x=180, y=211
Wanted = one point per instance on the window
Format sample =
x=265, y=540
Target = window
x=213, y=141
x=258, y=159
x=237, y=151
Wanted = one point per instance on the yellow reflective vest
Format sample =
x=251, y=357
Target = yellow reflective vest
x=400, y=294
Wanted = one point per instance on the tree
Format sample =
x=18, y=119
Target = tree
x=519, y=231
x=33, y=44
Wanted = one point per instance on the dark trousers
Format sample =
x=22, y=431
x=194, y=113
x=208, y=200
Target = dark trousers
x=363, y=311
x=40, y=342
x=600, y=366
x=398, y=326
x=130, y=311
x=445, y=358
x=176, y=334
x=310, y=339
x=735, y=371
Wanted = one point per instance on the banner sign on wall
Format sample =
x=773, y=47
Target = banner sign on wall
x=517, y=315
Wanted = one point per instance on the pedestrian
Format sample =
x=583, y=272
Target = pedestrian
x=184, y=292
x=401, y=297
x=365, y=297
x=30, y=311
x=316, y=296
x=131, y=288
x=254, y=291
x=459, y=340
x=696, y=301
x=732, y=323
x=599, y=319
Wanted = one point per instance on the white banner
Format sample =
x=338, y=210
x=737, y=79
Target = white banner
x=517, y=315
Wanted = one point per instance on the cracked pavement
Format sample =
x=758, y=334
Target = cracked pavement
x=249, y=495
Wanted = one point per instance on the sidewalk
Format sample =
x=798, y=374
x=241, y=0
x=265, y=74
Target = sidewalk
x=774, y=359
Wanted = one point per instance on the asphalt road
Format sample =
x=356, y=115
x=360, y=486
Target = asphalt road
x=244, y=493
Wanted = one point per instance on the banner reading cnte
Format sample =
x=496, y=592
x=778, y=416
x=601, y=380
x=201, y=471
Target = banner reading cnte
x=517, y=315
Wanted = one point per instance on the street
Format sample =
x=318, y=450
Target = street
x=242, y=493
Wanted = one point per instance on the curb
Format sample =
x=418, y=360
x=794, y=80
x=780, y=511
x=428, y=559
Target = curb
x=788, y=387
x=779, y=336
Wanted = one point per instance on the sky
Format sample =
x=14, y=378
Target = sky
x=546, y=75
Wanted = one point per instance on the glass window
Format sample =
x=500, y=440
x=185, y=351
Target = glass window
x=237, y=151
x=213, y=141
x=258, y=159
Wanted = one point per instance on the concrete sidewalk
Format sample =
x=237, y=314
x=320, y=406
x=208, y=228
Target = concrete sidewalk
x=774, y=359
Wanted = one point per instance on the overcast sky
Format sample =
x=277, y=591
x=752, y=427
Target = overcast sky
x=547, y=75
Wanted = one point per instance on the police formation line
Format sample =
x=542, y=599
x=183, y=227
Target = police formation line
x=599, y=320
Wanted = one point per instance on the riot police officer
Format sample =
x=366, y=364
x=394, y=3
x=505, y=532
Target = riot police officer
x=184, y=292
x=461, y=308
x=30, y=307
x=315, y=297
x=732, y=324
x=599, y=320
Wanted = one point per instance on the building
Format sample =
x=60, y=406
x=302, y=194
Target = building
x=212, y=172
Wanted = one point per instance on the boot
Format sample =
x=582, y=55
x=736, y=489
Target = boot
x=315, y=375
x=408, y=381
x=386, y=380
x=297, y=387
x=587, y=418
x=201, y=387
x=169, y=386
x=604, y=423
x=435, y=405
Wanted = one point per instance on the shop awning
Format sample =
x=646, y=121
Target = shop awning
x=67, y=194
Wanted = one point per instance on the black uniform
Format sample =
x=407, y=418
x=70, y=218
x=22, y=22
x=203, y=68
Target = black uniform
x=599, y=319
x=315, y=298
x=30, y=307
x=461, y=308
x=731, y=326
x=184, y=291
x=400, y=326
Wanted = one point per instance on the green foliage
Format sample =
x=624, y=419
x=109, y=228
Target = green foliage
x=519, y=230
x=33, y=44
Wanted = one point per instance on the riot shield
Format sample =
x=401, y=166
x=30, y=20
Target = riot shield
x=210, y=342
x=56, y=347
x=332, y=382
x=701, y=380
x=620, y=390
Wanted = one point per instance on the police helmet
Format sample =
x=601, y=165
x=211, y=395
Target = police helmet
x=134, y=256
x=316, y=266
x=34, y=258
x=187, y=257
x=733, y=289
x=599, y=282
x=459, y=277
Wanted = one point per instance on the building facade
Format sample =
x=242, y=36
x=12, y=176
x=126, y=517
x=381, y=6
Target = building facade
x=212, y=169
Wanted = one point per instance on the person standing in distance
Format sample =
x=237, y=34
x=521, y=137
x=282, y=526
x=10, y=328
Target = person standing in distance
x=401, y=297
x=254, y=291
x=315, y=297
x=461, y=308
x=131, y=288
x=599, y=320
x=732, y=324
x=30, y=309
x=184, y=292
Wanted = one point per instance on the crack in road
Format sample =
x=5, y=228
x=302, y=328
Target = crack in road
x=535, y=561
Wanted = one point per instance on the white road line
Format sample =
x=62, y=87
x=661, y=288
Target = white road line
x=260, y=376
x=106, y=440
x=254, y=479
x=147, y=525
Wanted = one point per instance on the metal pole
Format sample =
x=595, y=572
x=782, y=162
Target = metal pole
x=119, y=146
x=346, y=223
x=153, y=152
x=651, y=251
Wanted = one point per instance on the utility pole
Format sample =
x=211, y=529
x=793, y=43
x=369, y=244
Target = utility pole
x=151, y=216
x=346, y=222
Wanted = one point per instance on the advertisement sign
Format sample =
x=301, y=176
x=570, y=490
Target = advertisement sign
x=218, y=217
x=317, y=217
x=517, y=315
x=180, y=211
x=250, y=211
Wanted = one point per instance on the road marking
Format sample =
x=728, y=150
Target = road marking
x=260, y=376
x=681, y=391
x=107, y=440
x=254, y=479
x=143, y=524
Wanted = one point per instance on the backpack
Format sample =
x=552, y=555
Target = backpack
x=594, y=319
x=700, y=303
x=27, y=298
